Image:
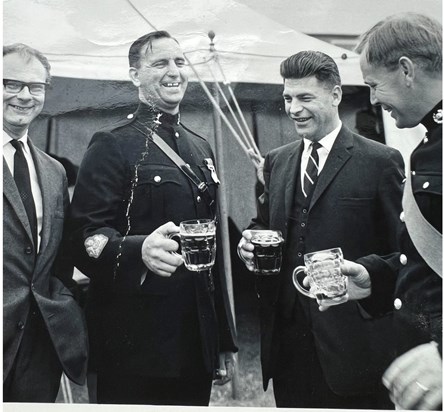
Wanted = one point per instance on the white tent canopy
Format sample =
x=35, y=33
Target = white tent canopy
x=90, y=38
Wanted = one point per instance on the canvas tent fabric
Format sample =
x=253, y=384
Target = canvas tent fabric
x=90, y=38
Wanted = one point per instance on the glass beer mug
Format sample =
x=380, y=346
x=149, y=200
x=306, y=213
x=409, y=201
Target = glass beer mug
x=197, y=243
x=327, y=283
x=267, y=252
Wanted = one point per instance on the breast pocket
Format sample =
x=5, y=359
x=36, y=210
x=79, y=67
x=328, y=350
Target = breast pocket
x=153, y=192
x=356, y=202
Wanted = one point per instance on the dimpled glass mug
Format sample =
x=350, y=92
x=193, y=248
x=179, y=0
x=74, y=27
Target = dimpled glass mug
x=327, y=283
x=267, y=251
x=197, y=243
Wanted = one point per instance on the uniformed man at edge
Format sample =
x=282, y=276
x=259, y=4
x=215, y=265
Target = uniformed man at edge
x=401, y=61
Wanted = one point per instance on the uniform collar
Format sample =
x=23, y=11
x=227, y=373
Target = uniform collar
x=433, y=118
x=151, y=116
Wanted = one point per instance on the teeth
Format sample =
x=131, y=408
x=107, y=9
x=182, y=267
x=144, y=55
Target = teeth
x=171, y=84
x=302, y=119
x=23, y=109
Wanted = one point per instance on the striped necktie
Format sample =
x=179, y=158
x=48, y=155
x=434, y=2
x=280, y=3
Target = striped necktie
x=312, y=170
x=23, y=182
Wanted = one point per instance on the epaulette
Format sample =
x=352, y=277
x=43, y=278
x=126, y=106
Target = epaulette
x=193, y=133
x=118, y=123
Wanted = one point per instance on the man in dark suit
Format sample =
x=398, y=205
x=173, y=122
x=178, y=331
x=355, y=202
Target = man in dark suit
x=353, y=202
x=43, y=327
x=401, y=61
x=156, y=328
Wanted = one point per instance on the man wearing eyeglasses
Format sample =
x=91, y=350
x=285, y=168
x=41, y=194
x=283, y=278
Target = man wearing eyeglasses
x=43, y=327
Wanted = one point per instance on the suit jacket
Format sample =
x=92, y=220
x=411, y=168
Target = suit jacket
x=164, y=327
x=355, y=206
x=27, y=276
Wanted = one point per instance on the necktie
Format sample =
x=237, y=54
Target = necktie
x=23, y=182
x=312, y=170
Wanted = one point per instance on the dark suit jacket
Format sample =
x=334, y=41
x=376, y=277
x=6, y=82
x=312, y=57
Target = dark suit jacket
x=26, y=275
x=355, y=206
x=166, y=326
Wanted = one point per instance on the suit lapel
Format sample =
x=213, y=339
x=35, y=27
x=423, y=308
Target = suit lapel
x=11, y=193
x=291, y=172
x=337, y=158
x=46, y=190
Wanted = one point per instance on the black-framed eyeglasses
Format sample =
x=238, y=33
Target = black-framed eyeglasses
x=16, y=86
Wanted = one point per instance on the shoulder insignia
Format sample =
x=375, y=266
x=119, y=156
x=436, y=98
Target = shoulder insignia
x=437, y=117
x=94, y=245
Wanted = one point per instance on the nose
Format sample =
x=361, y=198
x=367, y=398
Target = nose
x=373, y=99
x=24, y=94
x=173, y=70
x=294, y=107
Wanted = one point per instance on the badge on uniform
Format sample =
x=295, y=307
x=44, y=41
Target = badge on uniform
x=210, y=166
x=94, y=245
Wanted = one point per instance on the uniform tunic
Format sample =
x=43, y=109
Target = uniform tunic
x=417, y=291
x=126, y=188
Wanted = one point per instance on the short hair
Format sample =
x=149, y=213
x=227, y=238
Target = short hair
x=311, y=63
x=138, y=49
x=27, y=53
x=412, y=35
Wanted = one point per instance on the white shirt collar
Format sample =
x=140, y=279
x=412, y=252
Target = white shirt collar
x=327, y=141
x=23, y=139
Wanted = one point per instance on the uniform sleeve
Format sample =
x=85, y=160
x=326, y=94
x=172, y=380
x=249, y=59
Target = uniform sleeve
x=383, y=269
x=98, y=206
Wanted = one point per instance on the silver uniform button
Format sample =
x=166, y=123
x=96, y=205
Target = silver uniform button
x=130, y=116
x=403, y=259
x=157, y=179
x=425, y=185
x=401, y=217
x=426, y=139
x=397, y=304
x=198, y=198
x=176, y=134
x=413, y=173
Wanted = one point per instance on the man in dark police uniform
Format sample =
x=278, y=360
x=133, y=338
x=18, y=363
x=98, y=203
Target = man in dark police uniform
x=157, y=330
x=401, y=61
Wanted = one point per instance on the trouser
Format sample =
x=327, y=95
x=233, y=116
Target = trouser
x=135, y=389
x=36, y=371
x=299, y=381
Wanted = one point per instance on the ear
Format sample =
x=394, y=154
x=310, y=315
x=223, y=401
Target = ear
x=407, y=68
x=337, y=95
x=134, y=76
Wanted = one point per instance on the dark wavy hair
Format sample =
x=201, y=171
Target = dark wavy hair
x=311, y=63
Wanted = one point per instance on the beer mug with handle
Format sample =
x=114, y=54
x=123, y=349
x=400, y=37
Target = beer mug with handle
x=197, y=243
x=268, y=245
x=327, y=283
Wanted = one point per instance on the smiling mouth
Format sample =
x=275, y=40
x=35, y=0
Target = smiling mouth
x=171, y=84
x=21, y=108
x=301, y=119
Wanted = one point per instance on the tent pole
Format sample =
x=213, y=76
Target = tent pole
x=223, y=214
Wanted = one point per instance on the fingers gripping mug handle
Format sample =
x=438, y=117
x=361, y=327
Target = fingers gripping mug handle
x=296, y=283
x=241, y=256
x=171, y=236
